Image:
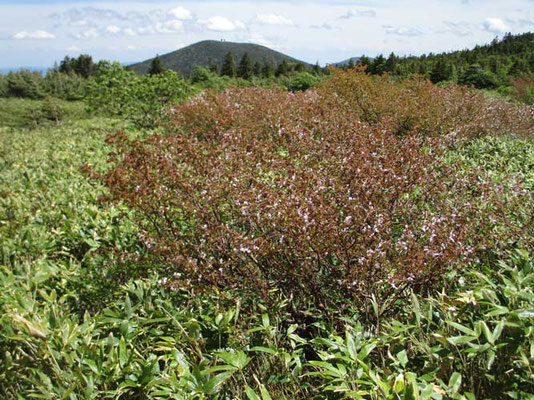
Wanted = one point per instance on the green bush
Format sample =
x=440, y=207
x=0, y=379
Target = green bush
x=140, y=99
x=478, y=77
x=65, y=86
x=52, y=110
x=25, y=113
x=25, y=84
x=201, y=74
x=302, y=81
x=4, y=88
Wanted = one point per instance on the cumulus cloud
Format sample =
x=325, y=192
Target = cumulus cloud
x=87, y=34
x=129, y=32
x=222, y=24
x=359, y=14
x=172, y=26
x=324, y=26
x=402, y=31
x=273, y=19
x=495, y=25
x=180, y=13
x=73, y=48
x=82, y=16
x=460, y=29
x=23, y=35
x=113, y=29
x=272, y=42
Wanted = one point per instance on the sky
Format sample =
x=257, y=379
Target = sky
x=40, y=32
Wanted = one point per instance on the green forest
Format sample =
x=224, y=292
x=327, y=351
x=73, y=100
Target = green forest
x=270, y=232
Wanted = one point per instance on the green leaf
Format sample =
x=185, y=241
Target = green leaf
x=365, y=351
x=454, y=383
x=487, y=332
x=462, y=328
x=403, y=358
x=251, y=394
x=123, y=354
x=264, y=393
x=398, y=386
x=498, y=330
x=264, y=349
x=212, y=386
x=459, y=340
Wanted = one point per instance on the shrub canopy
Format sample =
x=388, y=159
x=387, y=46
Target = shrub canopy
x=331, y=196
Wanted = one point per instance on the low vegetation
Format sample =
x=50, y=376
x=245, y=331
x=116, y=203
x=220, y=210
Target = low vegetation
x=365, y=239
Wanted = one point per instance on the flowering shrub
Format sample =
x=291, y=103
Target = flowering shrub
x=416, y=106
x=332, y=196
x=524, y=89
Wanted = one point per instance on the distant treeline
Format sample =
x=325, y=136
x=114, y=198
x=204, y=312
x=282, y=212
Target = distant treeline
x=485, y=67
x=506, y=64
x=71, y=78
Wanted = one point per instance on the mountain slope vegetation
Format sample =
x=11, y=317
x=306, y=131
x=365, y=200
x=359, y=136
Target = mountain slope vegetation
x=212, y=52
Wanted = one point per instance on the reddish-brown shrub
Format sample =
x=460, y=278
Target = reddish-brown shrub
x=416, y=106
x=524, y=89
x=315, y=194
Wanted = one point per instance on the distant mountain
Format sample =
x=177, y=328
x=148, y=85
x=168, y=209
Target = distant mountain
x=202, y=53
x=347, y=61
x=42, y=70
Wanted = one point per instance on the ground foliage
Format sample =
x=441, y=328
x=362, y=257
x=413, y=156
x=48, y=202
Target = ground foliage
x=332, y=197
x=80, y=320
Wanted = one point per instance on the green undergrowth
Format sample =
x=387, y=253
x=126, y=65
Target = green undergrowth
x=74, y=326
x=31, y=114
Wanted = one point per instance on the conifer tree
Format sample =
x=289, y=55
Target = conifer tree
x=257, y=69
x=391, y=63
x=156, y=66
x=441, y=71
x=245, y=67
x=378, y=66
x=364, y=61
x=283, y=68
x=228, y=67
x=267, y=69
x=212, y=66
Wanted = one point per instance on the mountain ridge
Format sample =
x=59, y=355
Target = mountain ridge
x=205, y=52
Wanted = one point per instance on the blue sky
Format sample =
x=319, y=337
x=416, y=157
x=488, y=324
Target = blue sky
x=37, y=32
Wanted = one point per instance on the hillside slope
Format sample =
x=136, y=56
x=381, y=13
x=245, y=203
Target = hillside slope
x=202, y=53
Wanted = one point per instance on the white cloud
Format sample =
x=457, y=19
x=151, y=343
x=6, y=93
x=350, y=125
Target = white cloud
x=87, y=34
x=325, y=26
x=222, y=24
x=129, y=32
x=495, y=25
x=402, y=31
x=173, y=26
x=460, y=29
x=273, y=43
x=359, y=14
x=131, y=47
x=22, y=35
x=146, y=30
x=273, y=19
x=181, y=13
x=73, y=48
x=84, y=16
x=114, y=29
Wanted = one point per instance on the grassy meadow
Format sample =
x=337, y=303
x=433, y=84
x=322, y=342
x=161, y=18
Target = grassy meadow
x=93, y=299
